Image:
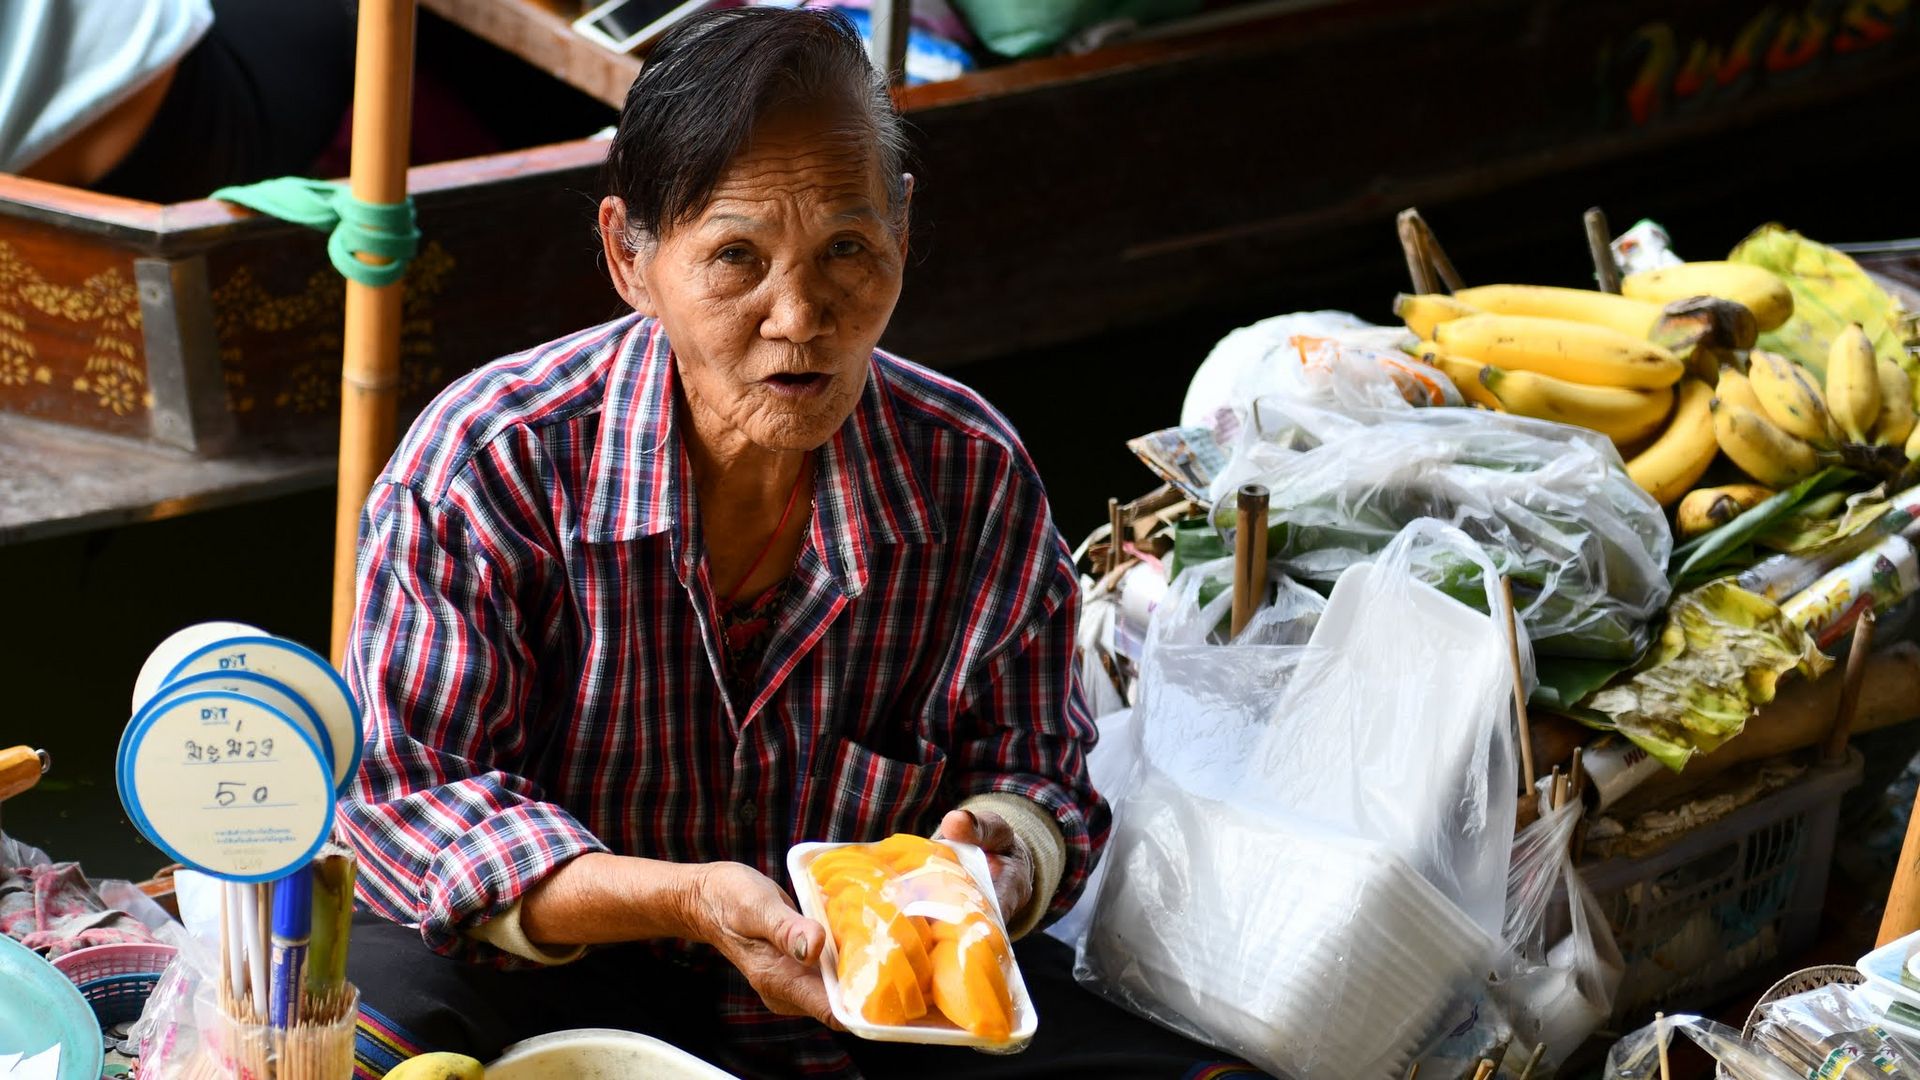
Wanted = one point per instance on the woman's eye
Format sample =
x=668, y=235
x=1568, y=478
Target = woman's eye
x=843, y=248
x=736, y=256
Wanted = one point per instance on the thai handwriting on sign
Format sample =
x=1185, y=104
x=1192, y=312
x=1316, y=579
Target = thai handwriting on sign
x=215, y=751
x=228, y=793
x=1665, y=71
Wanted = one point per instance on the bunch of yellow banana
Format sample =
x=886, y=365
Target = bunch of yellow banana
x=1577, y=357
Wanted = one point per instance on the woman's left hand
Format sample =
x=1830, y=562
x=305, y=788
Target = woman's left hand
x=1007, y=857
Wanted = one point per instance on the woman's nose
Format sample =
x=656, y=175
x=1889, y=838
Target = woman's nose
x=798, y=310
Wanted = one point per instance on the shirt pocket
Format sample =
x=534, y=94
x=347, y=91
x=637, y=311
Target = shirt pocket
x=873, y=795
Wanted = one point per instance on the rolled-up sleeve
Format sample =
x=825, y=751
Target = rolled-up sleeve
x=441, y=660
x=1026, y=729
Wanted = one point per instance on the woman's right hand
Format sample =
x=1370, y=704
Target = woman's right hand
x=752, y=922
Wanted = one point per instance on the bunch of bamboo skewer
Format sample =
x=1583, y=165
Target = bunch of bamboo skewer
x=312, y=1037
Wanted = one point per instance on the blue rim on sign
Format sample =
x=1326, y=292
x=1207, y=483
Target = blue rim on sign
x=301, y=653
x=314, y=789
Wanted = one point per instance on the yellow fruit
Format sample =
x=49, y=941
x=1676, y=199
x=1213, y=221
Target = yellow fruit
x=1896, y=419
x=1761, y=448
x=970, y=987
x=1758, y=290
x=1853, y=384
x=1635, y=318
x=1625, y=416
x=1790, y=397
x=440, y=1066
x=1680, y=456
x=1576, y=352
x=1706, y=509
x=1736, y=389
x=1424, y=311
x=1464, y=374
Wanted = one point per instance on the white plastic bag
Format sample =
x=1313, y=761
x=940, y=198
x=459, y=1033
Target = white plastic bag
x=1348, y=463
x=1316, y=830
x=1564, y=965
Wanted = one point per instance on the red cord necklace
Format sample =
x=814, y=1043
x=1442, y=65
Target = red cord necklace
x=793, y=499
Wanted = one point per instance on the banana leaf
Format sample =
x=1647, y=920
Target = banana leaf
x=1720, y=656
x=1730, y=547
x=1562, y=681
x=1830, y=292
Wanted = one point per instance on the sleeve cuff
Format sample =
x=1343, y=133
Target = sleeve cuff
x=1037, y=829
x=504, y=932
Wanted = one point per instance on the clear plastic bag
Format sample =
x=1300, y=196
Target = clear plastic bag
x=1316, y=830
x=1637, y=1057
x=1348, y=463
x=1564, y=964
x=1833, y=1032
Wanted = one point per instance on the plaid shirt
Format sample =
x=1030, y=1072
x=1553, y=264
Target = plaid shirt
x=538, y=651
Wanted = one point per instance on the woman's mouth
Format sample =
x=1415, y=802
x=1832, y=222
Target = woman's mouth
x=798, y=384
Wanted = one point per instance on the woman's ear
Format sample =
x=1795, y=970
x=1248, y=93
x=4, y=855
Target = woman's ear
x=623, y=263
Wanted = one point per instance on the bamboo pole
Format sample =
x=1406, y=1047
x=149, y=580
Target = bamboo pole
x=1600, y=245
x=1524, y=727
x=1249, y=555
x=370, y=364
x=1835, y=749
x=1418, y=268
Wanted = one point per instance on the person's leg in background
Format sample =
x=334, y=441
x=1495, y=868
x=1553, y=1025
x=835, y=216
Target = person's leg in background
x=262, y=95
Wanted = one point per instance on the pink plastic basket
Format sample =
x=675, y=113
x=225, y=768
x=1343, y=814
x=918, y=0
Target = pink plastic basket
x=105, y=961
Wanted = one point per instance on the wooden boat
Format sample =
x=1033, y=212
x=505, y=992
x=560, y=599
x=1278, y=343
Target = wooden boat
x=1057, y=198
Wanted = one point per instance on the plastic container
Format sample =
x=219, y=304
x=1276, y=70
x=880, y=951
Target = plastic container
x=1890, y=969
x=40, y=1009
x=1351, y=977
x=1703, y=918
x=932, y=1029
x=599, y=1052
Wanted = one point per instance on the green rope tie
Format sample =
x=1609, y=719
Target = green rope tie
x=355, y=228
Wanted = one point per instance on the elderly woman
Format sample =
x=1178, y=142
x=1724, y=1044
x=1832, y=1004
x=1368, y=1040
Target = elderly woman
x=642, y=608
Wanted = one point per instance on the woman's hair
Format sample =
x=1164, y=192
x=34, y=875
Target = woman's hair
x=708, y=83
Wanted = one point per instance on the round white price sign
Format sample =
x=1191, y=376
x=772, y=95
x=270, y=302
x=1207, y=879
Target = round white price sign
x=304, y=672
x=227, y=784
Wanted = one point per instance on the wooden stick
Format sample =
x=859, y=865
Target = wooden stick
x=1485, y=1070
x=1116, y=530
x=1577, y=775
x=1902, y=916
x=1415, y=252
x=1527, y=775
x=1556, y=788
x=370, y=361
x=1533, y=1061
x=1437, y=255
x=1413, y=1071
x=1660, y=1033
x=1600, y=245
x=1249, y=555
x=1834, y=750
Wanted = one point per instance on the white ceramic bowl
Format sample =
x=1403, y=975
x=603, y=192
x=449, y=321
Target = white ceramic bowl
x=599, y=1054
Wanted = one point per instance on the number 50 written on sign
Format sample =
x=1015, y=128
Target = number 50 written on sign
x=229, y=792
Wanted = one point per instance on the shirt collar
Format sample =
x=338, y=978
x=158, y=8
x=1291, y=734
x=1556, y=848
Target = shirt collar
x=867, y=490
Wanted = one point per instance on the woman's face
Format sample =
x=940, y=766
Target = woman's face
x=776, y=293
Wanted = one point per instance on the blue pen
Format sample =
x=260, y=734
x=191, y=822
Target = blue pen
x=292, y=930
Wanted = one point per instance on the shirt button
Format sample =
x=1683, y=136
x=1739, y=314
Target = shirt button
x=747, y=812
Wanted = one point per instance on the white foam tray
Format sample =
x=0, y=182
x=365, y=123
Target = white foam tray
x=932, y=1029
